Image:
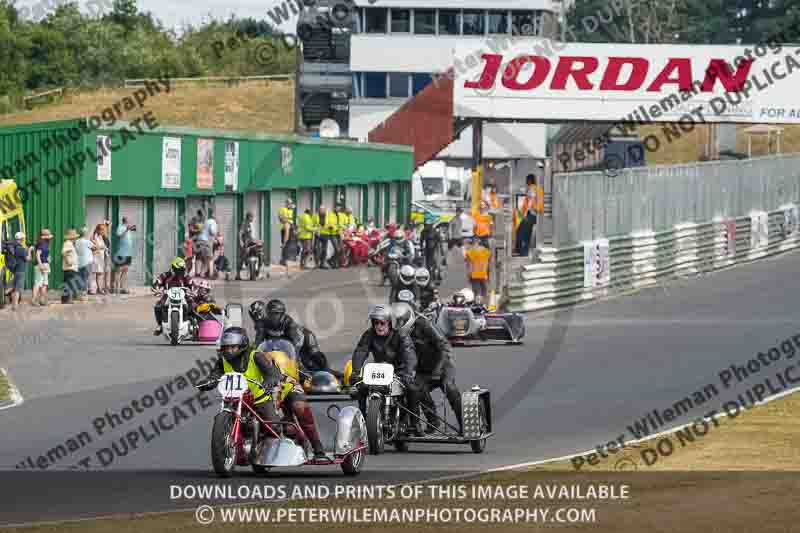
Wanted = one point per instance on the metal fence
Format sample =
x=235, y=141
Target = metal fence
x=591, y=205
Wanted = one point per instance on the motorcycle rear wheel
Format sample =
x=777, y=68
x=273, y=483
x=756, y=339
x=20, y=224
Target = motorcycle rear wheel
x=223, y=451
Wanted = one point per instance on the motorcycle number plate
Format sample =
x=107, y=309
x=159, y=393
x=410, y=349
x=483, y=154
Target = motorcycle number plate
x=379, y=374
x=175, y=294
x=232, y=385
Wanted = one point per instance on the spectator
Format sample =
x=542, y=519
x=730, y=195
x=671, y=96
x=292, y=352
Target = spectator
x=305, y=235
x=205, y=250
x=484, y=223
x=85, y=251
x=124, y=257
x=109, y=262
x=246, y=239
x=69, y=264
x=286, y=220
x=100, y=258
x=477, y=260
x=20, y=256
x=329, y=229
x=41, y=271
x=371, y=224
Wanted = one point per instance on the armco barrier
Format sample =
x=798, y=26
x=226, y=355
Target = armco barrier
x=643, y=259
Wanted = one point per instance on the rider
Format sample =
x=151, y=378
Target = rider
x=431, y=244
x=237, y=355
x=400, y=243
x=312, y=357
x=174, y=277
x=388, y=345
x=405, y=280
x=427, y=293
x=435, y=368
x=271, y=322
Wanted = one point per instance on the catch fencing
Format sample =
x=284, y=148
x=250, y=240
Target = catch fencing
x=613, y=234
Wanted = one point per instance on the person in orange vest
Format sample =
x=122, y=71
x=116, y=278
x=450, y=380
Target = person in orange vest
x=484, y=223
x=477, y=258
x=533, y=205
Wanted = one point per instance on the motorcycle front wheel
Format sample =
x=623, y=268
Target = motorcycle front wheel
x=174, y=328
x=253, y=266
x=223, y=446
x=375, y=426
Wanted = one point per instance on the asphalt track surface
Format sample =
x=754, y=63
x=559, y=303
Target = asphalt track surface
x=583, y=376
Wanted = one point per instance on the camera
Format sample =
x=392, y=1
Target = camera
x=132, y=228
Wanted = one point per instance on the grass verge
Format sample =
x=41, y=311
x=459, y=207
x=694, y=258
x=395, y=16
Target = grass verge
x=740, y=475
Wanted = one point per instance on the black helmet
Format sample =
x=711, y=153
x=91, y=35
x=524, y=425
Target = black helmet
x=323, y=382
x=258, y=311
x=276, y=311
x=236, y=338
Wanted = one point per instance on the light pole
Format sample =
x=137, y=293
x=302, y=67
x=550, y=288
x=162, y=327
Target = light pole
x=507, y=220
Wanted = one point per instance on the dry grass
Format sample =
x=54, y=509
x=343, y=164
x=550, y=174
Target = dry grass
x=691, y=146
x=265, y=106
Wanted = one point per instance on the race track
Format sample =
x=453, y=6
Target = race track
x=583, y=376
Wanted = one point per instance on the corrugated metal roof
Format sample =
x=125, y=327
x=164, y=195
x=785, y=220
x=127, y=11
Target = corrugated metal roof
x=249, y=135
x=577, y=132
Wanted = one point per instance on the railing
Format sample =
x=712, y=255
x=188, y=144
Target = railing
x=42, y=98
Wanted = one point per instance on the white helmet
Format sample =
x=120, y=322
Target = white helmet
x=423, y=276
x=407, y=274
x=404, y=317
x=467, y=294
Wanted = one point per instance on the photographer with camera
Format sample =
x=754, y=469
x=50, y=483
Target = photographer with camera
x=124, y=256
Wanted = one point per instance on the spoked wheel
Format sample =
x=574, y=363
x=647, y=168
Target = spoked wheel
x=347, y=257
x=478, y=446
x=375, y=427
x=352, y=465
x=223, y=447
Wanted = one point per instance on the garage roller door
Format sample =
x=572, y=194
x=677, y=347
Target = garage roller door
x=354, y=200
x=328, y=197
x=278, y=201
x=225, y=215
x=165, y=234
x=97, y=210
x=393, y=204
x=134, y=210
x=304, y=201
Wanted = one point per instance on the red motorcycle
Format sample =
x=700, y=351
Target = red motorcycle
x=355, y=250
x=378, y=244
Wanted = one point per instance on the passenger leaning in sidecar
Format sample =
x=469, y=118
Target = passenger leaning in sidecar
x=388, y=344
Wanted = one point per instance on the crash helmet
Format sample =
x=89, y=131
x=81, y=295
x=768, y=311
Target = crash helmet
x=276, y=312
x=403, y=317
x=323, y=382
x=468, y=295
x=422, y=276
x=258, y=311
x=382, y=320
x=178, y=267
x=233, y=344
x=407, y=274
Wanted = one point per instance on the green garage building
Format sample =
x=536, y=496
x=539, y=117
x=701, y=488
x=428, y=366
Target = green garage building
x=70, y=176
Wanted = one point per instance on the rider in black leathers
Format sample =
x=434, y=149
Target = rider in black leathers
x=432, y=249
x=388, y=345
x=271, y=321
x=435, y=368
x=284, y=327
x=406, y=280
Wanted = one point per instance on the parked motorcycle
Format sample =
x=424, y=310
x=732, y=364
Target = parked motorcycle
x=281, y=442
x=254, y=259
x=355, y=251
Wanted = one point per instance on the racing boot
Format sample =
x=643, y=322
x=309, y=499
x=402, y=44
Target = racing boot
x=306, y=419
x=158, y=331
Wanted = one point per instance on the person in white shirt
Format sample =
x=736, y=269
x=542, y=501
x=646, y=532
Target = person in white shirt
x=208, y=236
x=467, y=226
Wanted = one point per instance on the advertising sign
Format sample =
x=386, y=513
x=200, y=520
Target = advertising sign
x=205, y=164
x=171, y=163
x=596, y=264
x=231, y=165
x=103, y=158
x=535, y=79
x=759, y=230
